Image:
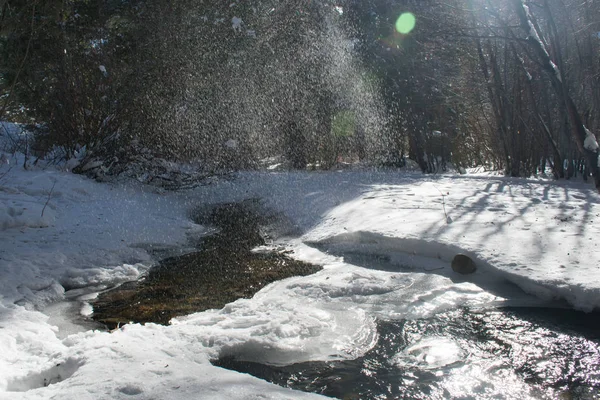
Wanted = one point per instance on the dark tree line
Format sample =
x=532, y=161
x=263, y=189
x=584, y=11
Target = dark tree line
x=508, y=84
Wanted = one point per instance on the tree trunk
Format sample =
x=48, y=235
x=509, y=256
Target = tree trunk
x=578, y=129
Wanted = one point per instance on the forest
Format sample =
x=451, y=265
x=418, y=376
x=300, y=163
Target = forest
x=509, y=85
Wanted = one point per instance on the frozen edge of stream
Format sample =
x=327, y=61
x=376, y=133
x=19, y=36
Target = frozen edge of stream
x=407, y=252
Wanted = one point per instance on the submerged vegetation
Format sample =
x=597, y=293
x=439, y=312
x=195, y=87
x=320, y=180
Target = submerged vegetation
x=224, y=269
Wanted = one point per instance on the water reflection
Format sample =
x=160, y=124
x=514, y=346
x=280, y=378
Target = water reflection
x=514, y=353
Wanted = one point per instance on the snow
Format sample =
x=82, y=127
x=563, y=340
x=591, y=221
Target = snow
x=236, y=24
x=382, y=237
x=590, y=142
x=533, y=34
x=231, y=144
x=556, y=70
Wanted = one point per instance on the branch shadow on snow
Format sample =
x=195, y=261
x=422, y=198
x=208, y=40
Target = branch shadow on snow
x=510, y=205
x=488, y=213
x=313, y=195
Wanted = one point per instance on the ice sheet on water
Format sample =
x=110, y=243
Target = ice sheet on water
x=279, y=330
x=430, y=353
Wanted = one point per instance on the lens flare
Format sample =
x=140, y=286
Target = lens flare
x=406, y=23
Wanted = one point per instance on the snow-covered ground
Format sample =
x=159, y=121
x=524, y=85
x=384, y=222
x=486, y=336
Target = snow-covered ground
x=385, y=239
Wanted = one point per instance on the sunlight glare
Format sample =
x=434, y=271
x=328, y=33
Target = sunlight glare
x=406, y=23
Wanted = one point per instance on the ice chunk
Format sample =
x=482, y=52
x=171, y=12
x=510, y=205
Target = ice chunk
x=430, y=353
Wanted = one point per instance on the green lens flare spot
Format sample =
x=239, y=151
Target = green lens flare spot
x=406, y=23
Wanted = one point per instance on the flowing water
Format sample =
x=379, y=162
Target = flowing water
x=511, y=353
x=225, y=268
x=466, y=352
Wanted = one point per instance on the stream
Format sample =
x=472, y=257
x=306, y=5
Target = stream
x=227, y=266
x=494, y=351
x=510, y=353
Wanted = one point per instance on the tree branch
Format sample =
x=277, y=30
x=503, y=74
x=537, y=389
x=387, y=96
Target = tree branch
x=12, y=86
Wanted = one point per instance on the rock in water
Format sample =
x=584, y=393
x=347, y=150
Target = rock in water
x=463, y=264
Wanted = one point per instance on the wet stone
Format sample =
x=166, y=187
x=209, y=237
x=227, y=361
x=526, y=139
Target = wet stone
x=463, y=264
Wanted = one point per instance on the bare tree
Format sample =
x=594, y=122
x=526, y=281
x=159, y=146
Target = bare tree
x=585, y=140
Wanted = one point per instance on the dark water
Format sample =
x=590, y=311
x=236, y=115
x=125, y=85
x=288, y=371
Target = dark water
x=515, y=353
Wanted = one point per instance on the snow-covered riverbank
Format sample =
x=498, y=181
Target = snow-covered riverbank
x=543, y=236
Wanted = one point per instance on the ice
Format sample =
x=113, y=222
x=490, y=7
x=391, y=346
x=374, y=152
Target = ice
x=383, y=239
x=430, y=353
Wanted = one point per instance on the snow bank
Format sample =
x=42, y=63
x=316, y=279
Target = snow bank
x=383, y=239
x=60, y=227
x=539, y=235
x=24, y=214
